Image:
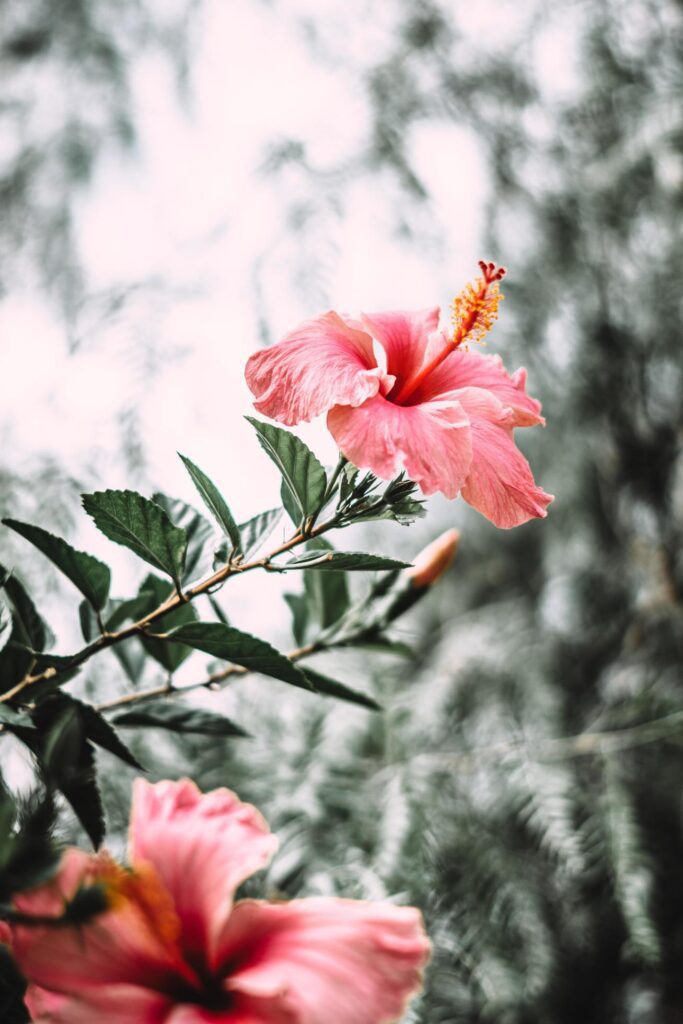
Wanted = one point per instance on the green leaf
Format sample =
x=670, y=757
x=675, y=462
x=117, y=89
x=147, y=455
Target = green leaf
x=214, y=501
x=333, y=688
x=298, y=605
x=29, y=627
x=132, y=608
x=180, y=718
x=327, y=593
x=10, y=717
x=99, y=731
x=303, y=476
x=256, y=531
x=343, y=561
x=169, y=655
x=68, y=759
x=131, y=657
x=232, y=645
x=87, y=573
x=218, y=611
x=5, y=622
x=139, y=524
x=200, y=534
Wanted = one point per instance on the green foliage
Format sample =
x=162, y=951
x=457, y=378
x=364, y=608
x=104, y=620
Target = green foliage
x=199, y=532
x=343, y=561
x=154, y=592
x=179, y=718
x=229, y=644
x=139, y=524
x=255, y=532
x=303, y=477
x=92, y=577
x=215, y=502
x=333, y=688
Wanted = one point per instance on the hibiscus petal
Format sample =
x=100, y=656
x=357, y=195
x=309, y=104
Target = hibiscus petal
x=134, y=942
x=323, y=362
x=106, y=1004
x=500, y=483
x=404, y=336
x=464, y=368
x=202, y=846
x=431, y=440
x=328, y=961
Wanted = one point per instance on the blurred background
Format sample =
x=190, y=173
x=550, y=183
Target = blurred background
x=182, y=181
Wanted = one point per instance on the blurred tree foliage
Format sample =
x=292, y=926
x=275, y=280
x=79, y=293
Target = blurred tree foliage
x=551, y=873
x=524, y=784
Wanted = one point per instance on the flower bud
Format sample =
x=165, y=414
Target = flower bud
x=432, y=561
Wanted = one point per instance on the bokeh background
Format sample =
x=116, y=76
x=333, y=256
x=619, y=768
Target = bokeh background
x=184, y=180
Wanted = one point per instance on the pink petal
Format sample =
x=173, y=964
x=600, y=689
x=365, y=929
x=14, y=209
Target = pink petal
x=202, y=846
x=246, y=1010
x=500, y=484
x=404, y=336
x=323, y=362
x=327, y=961
x=134, y=943
x=106, y=1004
x=431, y=440
x=472, y=369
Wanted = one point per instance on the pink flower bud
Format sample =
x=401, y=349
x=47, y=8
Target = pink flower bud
x=432, y=561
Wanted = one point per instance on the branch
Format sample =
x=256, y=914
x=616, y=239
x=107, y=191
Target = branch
x=217, y=578
x=212, y=682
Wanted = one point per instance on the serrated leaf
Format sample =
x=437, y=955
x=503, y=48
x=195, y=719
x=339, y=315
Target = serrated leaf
x=30, y=627
x=343, y=561
x=91, y=576
x=140, y=525
x=240, y=648
x=98, y=730
x=5, y=622
x=333, y=688
x=256, y=531
x=180, y=718
x=200, y=534
x=69, y=762
x=169, y=655
x=214, y=501
x=303, y=475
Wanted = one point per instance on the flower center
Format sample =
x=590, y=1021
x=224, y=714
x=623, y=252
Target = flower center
x=474, y=312
x=210, y=994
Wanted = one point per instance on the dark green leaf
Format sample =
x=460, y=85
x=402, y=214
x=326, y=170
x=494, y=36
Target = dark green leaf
x=87, y=573
x=256, y=531
x=214, y=501
x=180, y=718
x=200, y=534
x=169, y=655
x=343, y=561
x=68, y=760
x=5, y=622
x=131, y=657
x=29, y=627
x=333, y=688
x=139, y=524
x=327, y=593
x=290, y=504
x=302, y=474
x=232, y=645
x=133, y=608
x=99, y=731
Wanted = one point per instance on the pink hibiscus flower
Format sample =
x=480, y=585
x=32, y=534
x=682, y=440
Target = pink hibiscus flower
x=173, y=947
x=400, y=392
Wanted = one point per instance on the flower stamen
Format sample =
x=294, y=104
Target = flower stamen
x=474, y=312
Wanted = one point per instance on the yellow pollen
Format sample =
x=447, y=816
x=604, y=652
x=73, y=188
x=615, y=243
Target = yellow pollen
x=474, y=311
